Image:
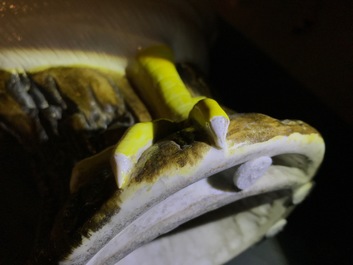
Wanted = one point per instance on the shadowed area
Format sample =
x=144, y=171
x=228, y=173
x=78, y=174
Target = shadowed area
x=261, y=86
x=247, y=80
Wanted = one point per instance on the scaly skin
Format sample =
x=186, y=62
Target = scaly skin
x=111, y=79
x=156, y=79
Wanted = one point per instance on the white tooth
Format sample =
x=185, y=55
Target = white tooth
x=302, y=192
x=121, y=165
x=219, y=127
x=249, y=172
x=276, y=228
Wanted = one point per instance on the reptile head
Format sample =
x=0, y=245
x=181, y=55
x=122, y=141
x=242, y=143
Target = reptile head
x=129, y=145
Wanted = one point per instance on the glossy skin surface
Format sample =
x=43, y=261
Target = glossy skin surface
x=106, y=28
x=96, y=219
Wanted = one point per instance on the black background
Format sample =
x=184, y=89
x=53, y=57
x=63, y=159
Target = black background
x=319, y=231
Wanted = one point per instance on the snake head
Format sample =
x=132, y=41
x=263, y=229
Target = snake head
x=171, y=174
x=135, y=153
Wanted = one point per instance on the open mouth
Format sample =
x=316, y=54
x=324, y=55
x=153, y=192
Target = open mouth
x=142, y=158
x=264, y=171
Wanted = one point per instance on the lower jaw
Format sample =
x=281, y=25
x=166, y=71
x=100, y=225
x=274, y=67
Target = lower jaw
x=137, y=217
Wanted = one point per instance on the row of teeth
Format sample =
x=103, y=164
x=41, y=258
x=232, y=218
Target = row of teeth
x=154, y=75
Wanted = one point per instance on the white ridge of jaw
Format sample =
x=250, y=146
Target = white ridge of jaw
x=137, y=139
x=249, y=172
x=301, y=193
x=276, y=228
x=122, y=166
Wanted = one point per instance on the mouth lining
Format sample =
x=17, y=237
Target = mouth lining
x=293, y=163
x=211, y=206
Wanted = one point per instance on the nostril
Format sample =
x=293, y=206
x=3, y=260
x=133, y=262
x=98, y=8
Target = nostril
x=249, y=172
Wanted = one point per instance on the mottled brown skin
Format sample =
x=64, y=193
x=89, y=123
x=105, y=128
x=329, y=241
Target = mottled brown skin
x=53, y=102
x=183, y=149
x=186, y=147
x=17, y=115
x=56, y=128
x=256, y=128
x=60, y=116
x=90, y=103
x=175, y=152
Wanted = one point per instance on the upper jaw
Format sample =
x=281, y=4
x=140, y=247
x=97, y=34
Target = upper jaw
x=174, y=182
x=181, y=176
x=260, y=162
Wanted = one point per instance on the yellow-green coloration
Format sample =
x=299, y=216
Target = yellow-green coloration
x=209, y=109
x=138, y=136
x=212, y=118
x=95, y=98
x=155, y=77
x=142, y=134
x=134, y=142
x=157, y=81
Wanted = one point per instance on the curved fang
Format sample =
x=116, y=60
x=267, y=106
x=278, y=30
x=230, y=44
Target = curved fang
x=137, y=139
x=155, y=77
x=208, y=115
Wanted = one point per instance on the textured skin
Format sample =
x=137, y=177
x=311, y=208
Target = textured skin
x=71, y=111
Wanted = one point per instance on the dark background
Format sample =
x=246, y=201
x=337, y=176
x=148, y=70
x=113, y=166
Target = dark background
x=286, y=59
x=248, y=79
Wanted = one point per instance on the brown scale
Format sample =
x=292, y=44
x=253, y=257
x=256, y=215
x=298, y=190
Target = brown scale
x=59, y=116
